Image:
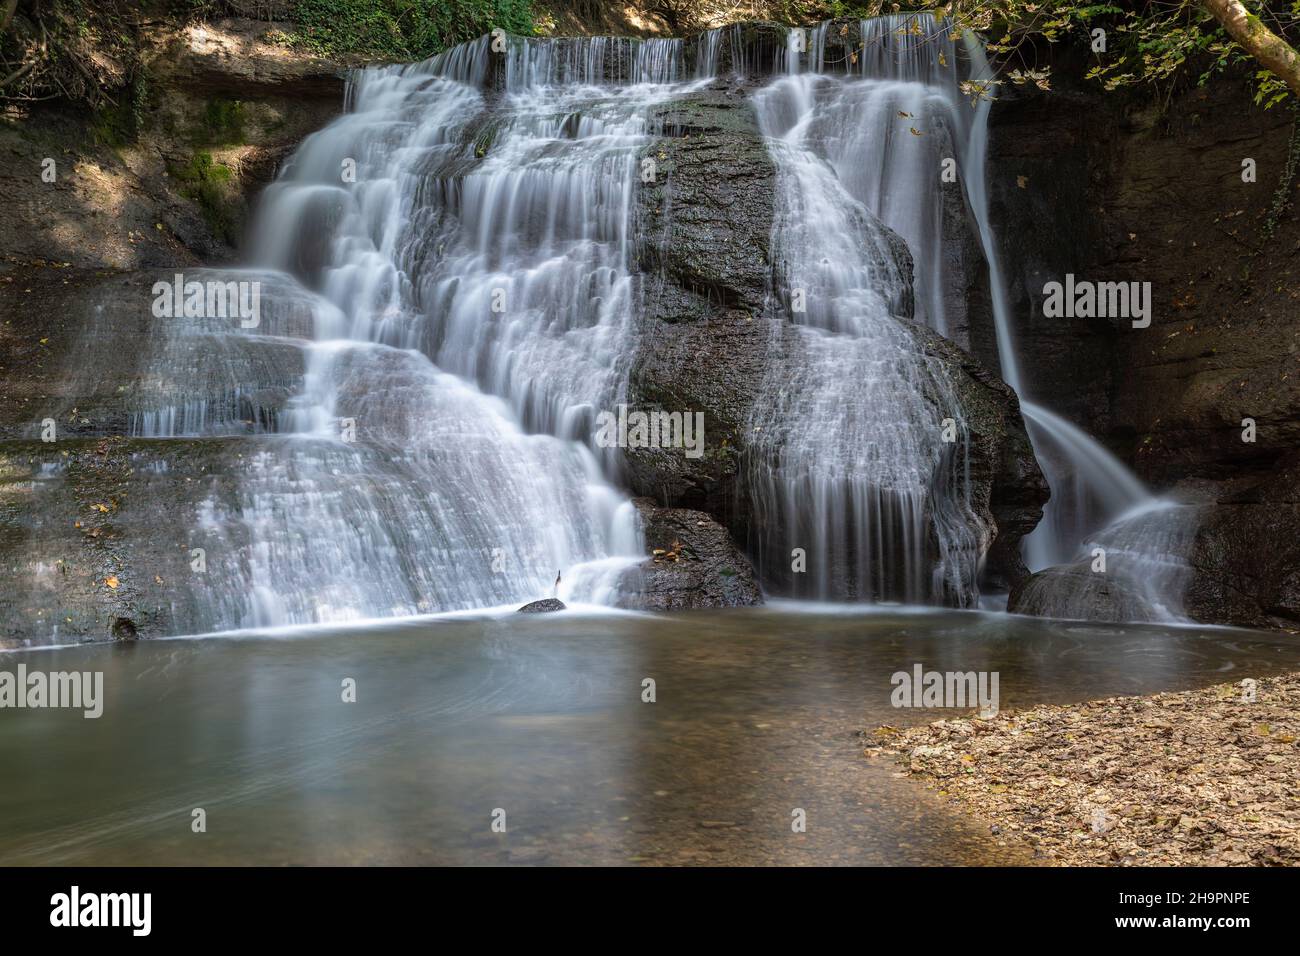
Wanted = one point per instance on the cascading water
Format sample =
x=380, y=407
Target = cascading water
x=1089, y=485
x=875, y=137
x=451, y=283
x=1095, y=499
x=851, y=461
x=1148, y=546
x=448, y=271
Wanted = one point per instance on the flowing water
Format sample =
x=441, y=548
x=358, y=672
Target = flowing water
x=1089, y=485
x=757, y=713
x=448, y=274
x=884, y=123
x=450, y=299
x=862, y=473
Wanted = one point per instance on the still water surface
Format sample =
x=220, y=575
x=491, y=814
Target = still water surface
x=758, y=712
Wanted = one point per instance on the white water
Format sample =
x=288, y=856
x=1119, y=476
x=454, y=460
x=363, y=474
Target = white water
x=1096, y=501
x=1089, y=485
x=851, y=464
x=467, y=304
x=883, y=130
x=464, y=303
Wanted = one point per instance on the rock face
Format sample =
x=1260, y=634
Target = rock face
x=705, y=228
x=709, y=339
x=1009, y=487
x=1074, y=592
x=1246, y=555
x=1120, y=188
x=693, y=564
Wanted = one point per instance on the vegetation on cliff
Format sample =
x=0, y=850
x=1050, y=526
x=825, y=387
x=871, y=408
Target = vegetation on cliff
x=403, y=29
x=82, y=51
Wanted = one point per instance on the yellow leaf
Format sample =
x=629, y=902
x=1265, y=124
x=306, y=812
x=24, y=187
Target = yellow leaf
x=111, y=581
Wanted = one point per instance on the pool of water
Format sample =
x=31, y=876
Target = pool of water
x=758, y=713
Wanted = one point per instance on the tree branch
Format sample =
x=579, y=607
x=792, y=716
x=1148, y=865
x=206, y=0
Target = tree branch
x=1273, y=52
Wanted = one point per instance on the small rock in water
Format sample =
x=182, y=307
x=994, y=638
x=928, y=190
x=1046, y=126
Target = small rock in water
x=542, y=606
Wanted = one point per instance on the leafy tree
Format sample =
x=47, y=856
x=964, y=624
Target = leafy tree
x=1153, y=41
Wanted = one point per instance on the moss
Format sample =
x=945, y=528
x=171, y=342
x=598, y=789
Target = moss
x=207, y=183
x=222, y=124
x=401, y=29
x=120, y=124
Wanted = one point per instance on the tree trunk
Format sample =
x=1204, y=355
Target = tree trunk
x=1273, y=53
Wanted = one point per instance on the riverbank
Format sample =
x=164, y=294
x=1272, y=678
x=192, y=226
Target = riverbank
x=1196, y=778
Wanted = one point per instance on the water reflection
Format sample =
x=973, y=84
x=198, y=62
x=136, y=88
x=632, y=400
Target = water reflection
x=757, y=713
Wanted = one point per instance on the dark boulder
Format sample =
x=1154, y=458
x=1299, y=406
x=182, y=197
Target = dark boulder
x=693, y=563
x=1246, y=555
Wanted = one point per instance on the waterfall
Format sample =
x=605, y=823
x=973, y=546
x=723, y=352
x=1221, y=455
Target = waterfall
x=446, y=275
x=868, y=133
x=1145, y=575
x=1089, y=485
x=449, y=289
x=707, y=47
x=1096, y=501
x=852, y=466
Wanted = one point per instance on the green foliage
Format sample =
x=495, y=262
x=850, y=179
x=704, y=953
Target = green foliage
x=1150, y=43
x=1286, y=182
x=403, y=29
x=208, y=184
x=119, y=124
x=223, y=123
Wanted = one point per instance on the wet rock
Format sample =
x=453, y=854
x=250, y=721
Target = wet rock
x=710, y=343
x=693, y=564
x=1246, y=555
x=83, y=345
x=544, y=606
x=706, y=224
x=1074, y=592
x=124, y=629
x=97, y=536
x=1008, y=487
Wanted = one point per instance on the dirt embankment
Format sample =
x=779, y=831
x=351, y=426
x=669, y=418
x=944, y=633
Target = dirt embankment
x=165, y=171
